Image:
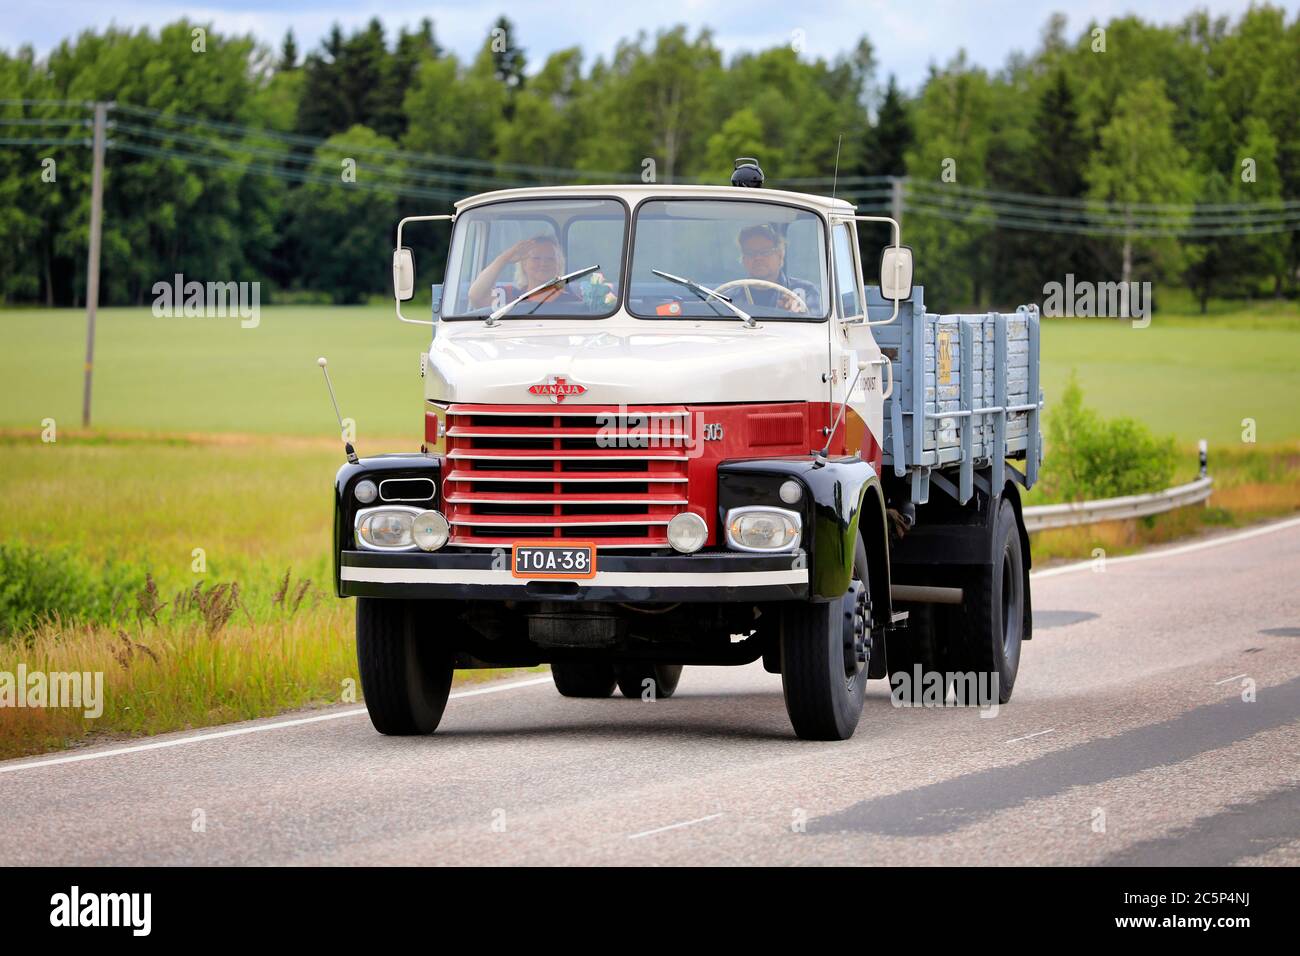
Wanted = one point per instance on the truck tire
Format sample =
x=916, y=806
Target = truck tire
x=919, y=650
x=822, y=674
x=583, y=678
x=632, y=679
x=405, y=676
x=990, y=624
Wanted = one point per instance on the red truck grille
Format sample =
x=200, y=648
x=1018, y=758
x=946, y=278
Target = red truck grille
x=609, y=475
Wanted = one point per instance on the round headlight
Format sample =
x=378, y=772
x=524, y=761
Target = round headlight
x=763, y=529
x=791, y=491
x=365, y=491
x=687, y=532
x=430, y=530
x=386, y=529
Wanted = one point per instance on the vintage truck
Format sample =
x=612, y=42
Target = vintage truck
x=670, y=425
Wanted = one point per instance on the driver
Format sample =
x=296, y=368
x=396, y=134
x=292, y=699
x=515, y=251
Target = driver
x=762, y=253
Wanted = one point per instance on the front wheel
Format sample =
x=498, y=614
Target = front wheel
x=825, y=648
x=405, y=676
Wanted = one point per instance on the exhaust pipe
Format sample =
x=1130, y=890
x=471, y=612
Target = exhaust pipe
x=925, y=594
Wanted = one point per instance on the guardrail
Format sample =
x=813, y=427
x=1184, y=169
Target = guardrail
x=1043, y=517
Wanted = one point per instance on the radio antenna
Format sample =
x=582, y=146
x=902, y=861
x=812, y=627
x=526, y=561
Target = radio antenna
x=347, y=445
x=836, y=180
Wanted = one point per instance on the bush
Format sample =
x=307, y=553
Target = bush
x=1089, y=458
x=40, y=584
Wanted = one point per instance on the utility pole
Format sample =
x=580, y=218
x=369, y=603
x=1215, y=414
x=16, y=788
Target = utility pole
x=896, y=199
x=92, y=261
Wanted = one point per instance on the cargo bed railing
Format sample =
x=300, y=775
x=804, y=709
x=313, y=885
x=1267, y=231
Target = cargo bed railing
x=966, y=398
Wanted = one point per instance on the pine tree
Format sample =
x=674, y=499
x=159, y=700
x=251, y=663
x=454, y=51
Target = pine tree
x=1060, y=153
x=507, y=56
x=289, y=52
x=1059, y=159
x=892, y=135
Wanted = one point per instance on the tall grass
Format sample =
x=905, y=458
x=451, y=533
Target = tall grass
x=98, y=573
x=172, y=676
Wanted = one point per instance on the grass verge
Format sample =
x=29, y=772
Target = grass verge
x=1252, y=483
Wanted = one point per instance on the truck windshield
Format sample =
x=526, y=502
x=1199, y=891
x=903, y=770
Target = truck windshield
x=501, y=250
x=768, y=258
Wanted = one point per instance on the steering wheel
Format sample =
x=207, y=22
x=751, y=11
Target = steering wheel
x=800, y=305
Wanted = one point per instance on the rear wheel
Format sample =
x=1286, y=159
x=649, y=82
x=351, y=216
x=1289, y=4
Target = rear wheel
x=583, y=678
x=405, y=675
x=990, y=624
x=634, y=680
x=918, y=658
x=825, y=648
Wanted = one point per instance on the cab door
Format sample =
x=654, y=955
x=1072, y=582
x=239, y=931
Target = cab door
x=864, y=416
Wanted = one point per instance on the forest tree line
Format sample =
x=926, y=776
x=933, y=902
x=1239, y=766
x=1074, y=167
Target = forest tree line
x=1201, y=114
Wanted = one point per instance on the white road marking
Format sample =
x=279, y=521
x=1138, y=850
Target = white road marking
x=1226, y=679
x=241, y=731
x=1015, y=740
x=1170, y=552
x=673, y=826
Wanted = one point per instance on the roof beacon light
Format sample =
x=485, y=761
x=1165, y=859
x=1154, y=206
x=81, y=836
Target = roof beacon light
x=748, y=173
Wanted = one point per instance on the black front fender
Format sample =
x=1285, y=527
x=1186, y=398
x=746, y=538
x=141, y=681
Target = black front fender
x=835, y=492
x=413, y=465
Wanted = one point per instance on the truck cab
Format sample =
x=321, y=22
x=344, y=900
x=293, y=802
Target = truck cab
x=654, y=433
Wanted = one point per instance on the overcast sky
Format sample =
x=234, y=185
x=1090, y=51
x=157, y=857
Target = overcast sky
x=907, y=34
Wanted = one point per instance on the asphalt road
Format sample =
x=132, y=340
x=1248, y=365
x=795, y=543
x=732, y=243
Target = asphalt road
x=1128, y=741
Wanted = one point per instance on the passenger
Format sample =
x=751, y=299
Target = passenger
x=762, y=253
x=535, y=260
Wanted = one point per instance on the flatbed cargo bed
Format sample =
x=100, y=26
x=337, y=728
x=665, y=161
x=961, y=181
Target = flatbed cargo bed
x=965, y=387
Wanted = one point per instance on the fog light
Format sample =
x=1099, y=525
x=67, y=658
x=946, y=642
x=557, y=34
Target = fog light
x=430, y=530
x=791, y=491
x=365, y=491
x=763, y=529
x=687, y=532
x=386, y=529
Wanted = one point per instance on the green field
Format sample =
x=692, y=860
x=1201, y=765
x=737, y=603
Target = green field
x=186, y=375
x=1188, y=376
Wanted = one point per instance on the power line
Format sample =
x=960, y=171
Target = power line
x=282, y=174
x=1085, y=203
x=399, y=154
x=34, y=141
x=1002, y=222
x=1073, y=202
x=950, y=201
x=309, y=159
x=1258, y=213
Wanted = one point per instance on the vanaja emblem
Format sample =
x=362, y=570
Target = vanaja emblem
x=557, y=388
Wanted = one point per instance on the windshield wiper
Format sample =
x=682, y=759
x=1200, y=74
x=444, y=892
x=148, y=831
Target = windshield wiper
x=558, y=281
x=704, y=292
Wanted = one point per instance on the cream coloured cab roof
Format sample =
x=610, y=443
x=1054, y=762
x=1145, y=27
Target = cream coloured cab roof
x=633, y=193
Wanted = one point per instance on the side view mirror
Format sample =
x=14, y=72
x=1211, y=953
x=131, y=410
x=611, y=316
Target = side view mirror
x=404, y=274
x=896, y=273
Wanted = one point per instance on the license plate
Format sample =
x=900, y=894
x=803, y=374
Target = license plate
x=573, y=560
